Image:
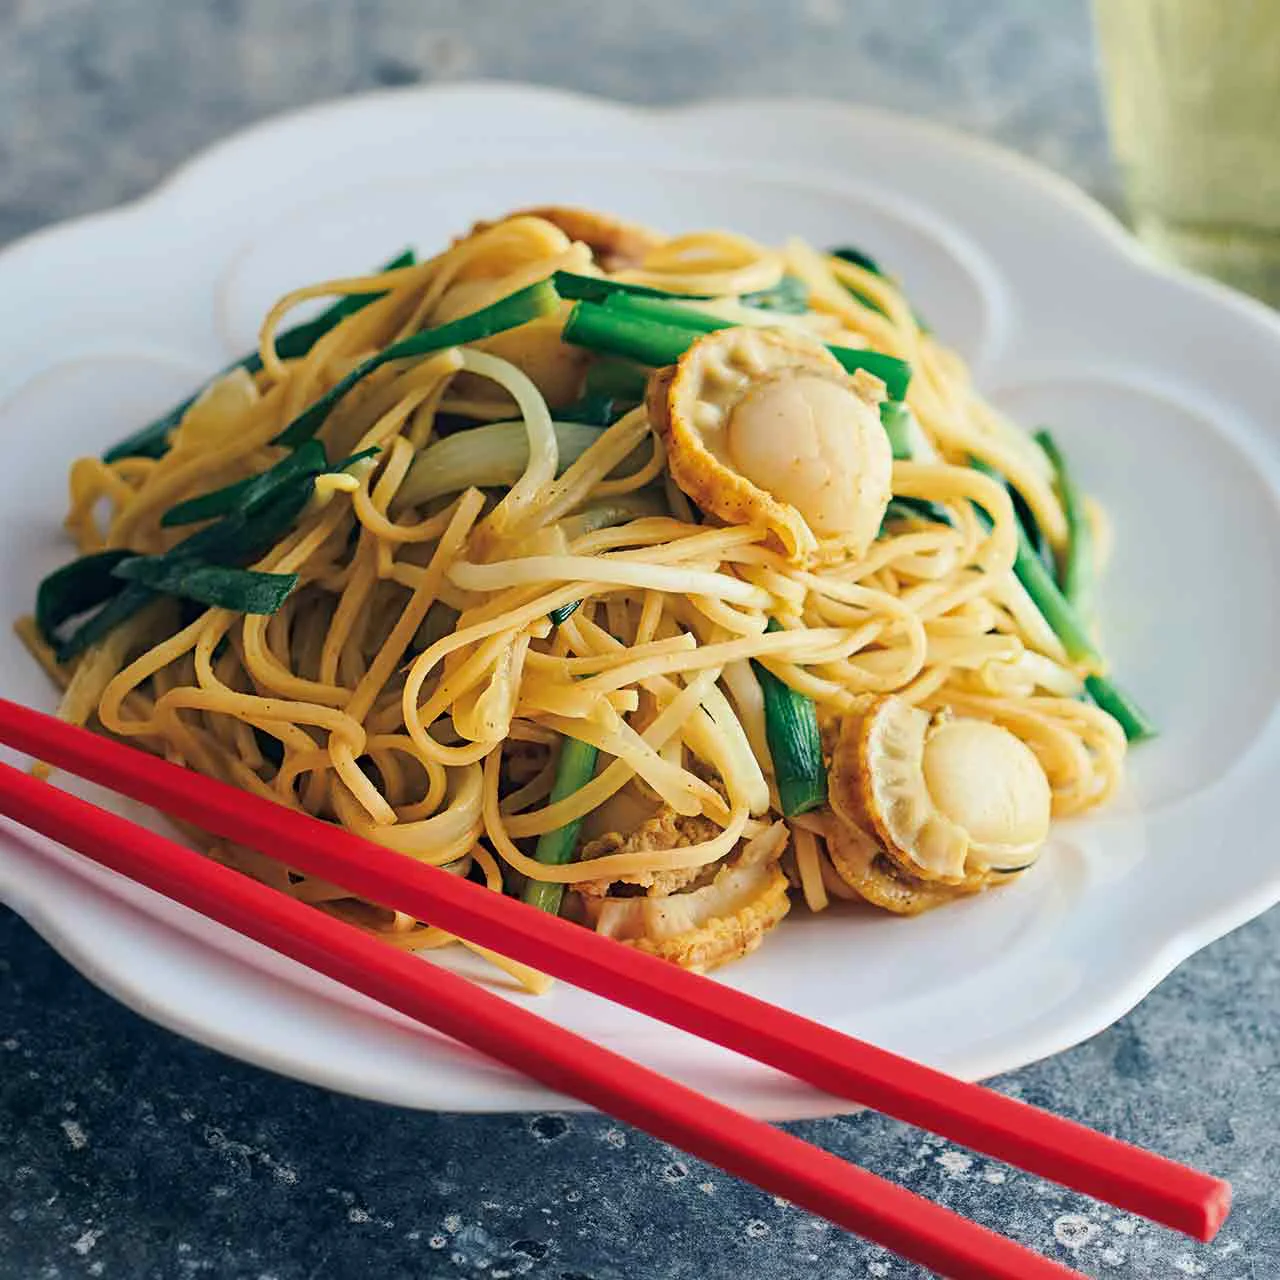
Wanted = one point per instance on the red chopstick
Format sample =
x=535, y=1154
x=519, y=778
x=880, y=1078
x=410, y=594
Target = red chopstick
x=1050, y=1146
x=900, y=1220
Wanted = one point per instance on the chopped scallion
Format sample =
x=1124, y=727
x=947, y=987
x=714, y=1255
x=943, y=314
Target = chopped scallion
x=658, y=333
x=1076, y=571
x=789, y=296
x=915, y=509
x=578, y=288
x=249, y=495
x=1121, y=707
x=791, y=730
x=1067, y=625
x=1035, y=576
x=895, y=417
x=574, y=769
x=245, y=495
x=115, y=584
x=856, y=257
x=75, y=589
x=619, y=379
x=638, y=337
x=152, y=441
x=240, y=590
x=131, y=599
x=593, y=409
x=507, y=313
x=564, y=611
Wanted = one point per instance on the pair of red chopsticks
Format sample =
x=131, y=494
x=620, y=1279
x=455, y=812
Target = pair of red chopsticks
x=1126, y=1176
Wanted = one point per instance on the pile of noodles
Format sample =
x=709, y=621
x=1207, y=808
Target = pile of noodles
x=416, y=661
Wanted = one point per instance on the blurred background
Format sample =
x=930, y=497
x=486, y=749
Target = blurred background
x=101, y=98
x=128, y=1153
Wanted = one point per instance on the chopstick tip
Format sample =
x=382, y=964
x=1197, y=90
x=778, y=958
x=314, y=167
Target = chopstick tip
x=1217, y=1206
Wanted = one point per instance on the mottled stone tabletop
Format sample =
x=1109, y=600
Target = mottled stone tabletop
x=128, y=1153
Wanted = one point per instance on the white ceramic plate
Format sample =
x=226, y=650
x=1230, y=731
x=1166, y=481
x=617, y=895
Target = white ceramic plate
x=1162, y=388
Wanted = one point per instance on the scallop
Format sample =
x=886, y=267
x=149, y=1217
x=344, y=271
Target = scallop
x=654, y=828
x=860, y=861
x=764, y=426
x=700, y=928
x=949, y=798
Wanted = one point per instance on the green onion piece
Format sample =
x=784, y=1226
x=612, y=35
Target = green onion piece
x=1062, y=618
x=673, y=310
x=573, y=771
x=1031, y=527
x=301, y=338
x=243, y=535
x=898, y=425
x=790, y=296
x=894, y=373
x=557, y=616
x=302, y=465
x=236, y=539
x=579, y=288
x=240, y=590
x=352, y=458
x=864, y=260
x=152, y=441
x=297, y=341
x=895, y=417
x=269, y=745
x=1028, y=525
x=620, y=379
x=791, y=730
x=1066, y=624
x=1121, y=708
x=1035, y=576
x=75, y=589
x=612, y=386
x=594, y=410
x=1077, y=570
x=601, y=328
x=667, y=311
x=518, y=308
x=914, y=509
x=635, y=328
x=847, y=253
x=131, y=599
x=246, y=495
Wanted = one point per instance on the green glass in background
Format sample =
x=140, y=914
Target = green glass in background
x=1193, y=92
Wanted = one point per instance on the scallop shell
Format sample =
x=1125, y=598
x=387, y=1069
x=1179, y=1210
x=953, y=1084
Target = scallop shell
x=708, y=926
x=949, y=798
x=860, y=861
x=779, y=405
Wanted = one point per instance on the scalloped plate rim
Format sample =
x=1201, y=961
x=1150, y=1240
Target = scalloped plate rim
x=1159, y=959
